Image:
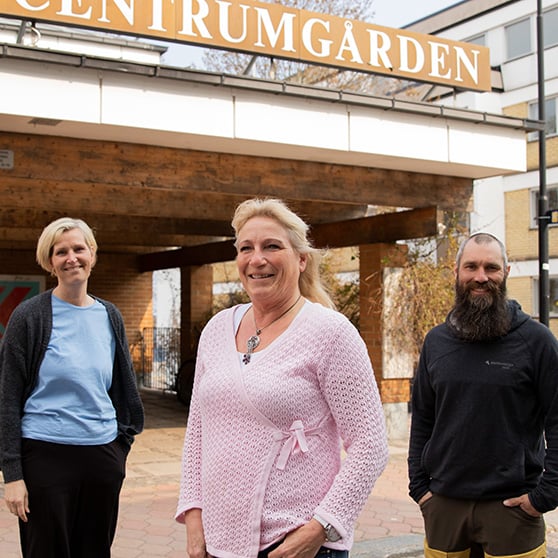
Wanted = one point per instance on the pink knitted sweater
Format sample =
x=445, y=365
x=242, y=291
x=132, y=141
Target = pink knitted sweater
x=262, y=450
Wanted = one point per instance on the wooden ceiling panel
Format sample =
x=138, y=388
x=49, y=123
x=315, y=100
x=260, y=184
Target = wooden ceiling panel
x=66, y=160
x=146, y=199
x=69, y=161
x=38, y=218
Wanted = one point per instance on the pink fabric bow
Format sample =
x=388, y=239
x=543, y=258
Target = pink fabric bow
x=295, y=442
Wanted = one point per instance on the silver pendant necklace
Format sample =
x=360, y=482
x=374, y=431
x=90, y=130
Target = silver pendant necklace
x=254, y=341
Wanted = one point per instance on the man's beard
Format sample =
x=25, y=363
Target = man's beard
x=480, y=317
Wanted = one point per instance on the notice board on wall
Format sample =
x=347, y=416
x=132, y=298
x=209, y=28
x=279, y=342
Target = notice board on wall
x=14, y=289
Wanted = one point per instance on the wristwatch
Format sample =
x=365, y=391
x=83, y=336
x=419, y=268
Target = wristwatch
x=330, y=531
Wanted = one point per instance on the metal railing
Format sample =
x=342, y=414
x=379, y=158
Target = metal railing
x=160, y=357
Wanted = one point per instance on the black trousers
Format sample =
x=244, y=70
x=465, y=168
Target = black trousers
x=73, y=498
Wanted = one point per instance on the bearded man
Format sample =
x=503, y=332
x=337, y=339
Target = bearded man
x=483, y=449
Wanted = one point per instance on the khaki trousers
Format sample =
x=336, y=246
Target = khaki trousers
x=477, y=528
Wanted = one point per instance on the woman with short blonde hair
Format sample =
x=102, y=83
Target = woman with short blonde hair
x=69, y=405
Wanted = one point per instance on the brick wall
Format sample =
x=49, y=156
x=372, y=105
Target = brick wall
x=521, y=289
x=521, y=239
x=196, y=289
x=201, y=294
x=115, y=278
x=521, y=110
x=551, y=153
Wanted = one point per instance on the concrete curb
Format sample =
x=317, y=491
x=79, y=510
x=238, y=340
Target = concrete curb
x=401, y=546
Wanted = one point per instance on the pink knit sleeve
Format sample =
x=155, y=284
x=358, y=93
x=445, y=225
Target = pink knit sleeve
x=190, y=479
x=348, y=384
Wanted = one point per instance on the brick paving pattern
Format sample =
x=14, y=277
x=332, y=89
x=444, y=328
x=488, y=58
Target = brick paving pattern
x=146, y=527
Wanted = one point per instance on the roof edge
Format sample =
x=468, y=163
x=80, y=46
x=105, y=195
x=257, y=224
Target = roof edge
x=33, y=54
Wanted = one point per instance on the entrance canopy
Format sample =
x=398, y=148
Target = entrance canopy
x=156, y=157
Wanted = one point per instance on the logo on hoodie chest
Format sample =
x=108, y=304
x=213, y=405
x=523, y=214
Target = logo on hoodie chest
x=500, y=364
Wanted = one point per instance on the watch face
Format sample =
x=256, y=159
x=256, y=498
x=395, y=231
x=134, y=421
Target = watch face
x=332, y=534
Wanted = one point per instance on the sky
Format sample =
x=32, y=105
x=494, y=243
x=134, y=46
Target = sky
x=397, y=13
x=389, y=13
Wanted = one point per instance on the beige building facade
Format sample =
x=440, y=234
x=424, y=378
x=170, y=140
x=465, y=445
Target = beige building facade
x=507, y=205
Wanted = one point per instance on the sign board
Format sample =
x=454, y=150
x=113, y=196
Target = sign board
x=277, y=31
x=6, y=159
x=15, y=289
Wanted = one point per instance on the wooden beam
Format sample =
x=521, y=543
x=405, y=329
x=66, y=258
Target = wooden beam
x=37, y=218
x=24, y=225
x=389, y=227
x=107, y=239
x=182, y=171
x=109, y=199
x=190, y=256
x=45, y=194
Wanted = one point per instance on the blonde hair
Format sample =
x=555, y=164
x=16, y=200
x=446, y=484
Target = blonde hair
x=52, y=233
x=310, y=282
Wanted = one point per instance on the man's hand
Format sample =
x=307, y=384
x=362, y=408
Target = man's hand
x=424, y=498
x=524, y=503
x=303, y=542
x=17, y=499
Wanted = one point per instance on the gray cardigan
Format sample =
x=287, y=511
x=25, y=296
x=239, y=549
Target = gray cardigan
x=22, y=350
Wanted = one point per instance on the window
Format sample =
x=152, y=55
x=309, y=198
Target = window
x=553, y=292
x=550, y=27
x=478, y=40
x=553, y=306
x=550, y=115
x=552, y=193
x=518, y=39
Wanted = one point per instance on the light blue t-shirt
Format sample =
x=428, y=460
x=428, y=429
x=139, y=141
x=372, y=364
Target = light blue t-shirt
x=70, y=403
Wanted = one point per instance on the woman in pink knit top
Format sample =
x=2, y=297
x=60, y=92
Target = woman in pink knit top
x=282, y=386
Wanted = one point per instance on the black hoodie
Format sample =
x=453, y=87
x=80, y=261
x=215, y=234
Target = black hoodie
x=481, y=412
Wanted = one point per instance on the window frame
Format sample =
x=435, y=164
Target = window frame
x=515, y=56
x=533, y=113
x=547, y=26
x=553, y=304
x=475, y=39
x=534, y=204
